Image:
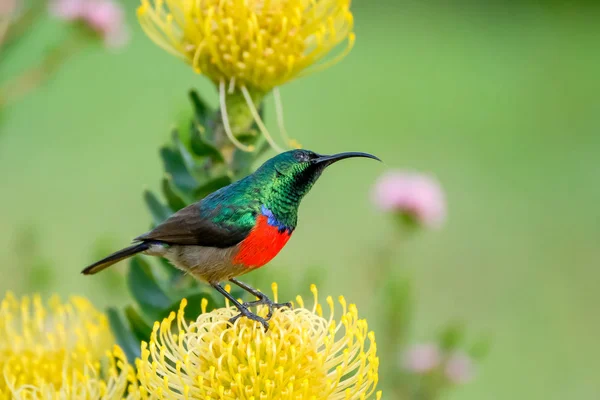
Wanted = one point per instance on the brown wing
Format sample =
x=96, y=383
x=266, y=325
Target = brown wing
x=222, y=226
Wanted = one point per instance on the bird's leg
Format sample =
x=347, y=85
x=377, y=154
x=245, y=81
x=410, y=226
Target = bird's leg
x=262, y=298
x=244, y=312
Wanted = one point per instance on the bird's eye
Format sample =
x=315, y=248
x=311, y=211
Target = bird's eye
x=302, y=156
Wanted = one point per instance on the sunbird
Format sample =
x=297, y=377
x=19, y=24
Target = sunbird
x=237, y=228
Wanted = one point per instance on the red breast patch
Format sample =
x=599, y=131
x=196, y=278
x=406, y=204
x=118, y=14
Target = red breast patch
x=262, y=244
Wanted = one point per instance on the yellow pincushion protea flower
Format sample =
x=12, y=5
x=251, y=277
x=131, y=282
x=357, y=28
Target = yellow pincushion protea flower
x=107, y=380
x=253, y=46
x=303, y=356
x=258, y=44
x=57, y=351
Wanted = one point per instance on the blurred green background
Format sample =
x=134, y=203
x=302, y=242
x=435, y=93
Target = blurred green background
x=500, y=102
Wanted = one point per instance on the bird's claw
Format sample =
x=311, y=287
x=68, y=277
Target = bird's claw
x=281, y=305
x=269, y=303
x=252, y=316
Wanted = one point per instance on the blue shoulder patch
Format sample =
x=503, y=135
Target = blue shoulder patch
x=272, y=220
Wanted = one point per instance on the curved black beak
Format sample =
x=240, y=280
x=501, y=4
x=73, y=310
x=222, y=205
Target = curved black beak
x=328, y=160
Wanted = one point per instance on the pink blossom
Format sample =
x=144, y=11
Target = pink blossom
x=106, y=17
x=8, y=7
x=422, y=358
x=68, y=10
x=459, y=368
x=416, y=195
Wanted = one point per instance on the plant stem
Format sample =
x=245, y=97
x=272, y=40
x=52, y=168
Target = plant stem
x=11, y=30
x=32, y=78
x=395, y=309
x=3, y=31
x=24, y=22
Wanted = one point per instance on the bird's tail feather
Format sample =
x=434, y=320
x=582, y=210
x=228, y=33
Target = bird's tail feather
x=115, y=258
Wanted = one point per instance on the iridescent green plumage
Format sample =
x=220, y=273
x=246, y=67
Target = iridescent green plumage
x=279, y=184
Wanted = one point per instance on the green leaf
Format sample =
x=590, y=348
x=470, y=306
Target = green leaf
x=201, y=110
x=201, y=146
x=212, y=185
x=159, y=211
x=139, y=327
x=248, y=137
x=186, y=156
x=125, y=337
x=145, y=290
x=175, y=166
x=242, y=162
x=174, y=200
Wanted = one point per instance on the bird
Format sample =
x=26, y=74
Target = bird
x=236, y=229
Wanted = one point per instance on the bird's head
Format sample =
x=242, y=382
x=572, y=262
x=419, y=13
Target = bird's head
x=294, y=172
